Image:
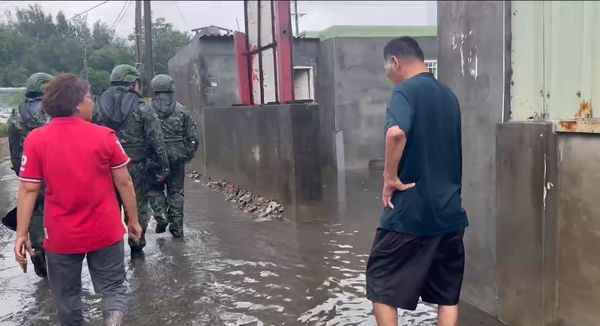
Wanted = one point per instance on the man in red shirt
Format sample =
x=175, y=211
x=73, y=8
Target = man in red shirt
x=80, y=164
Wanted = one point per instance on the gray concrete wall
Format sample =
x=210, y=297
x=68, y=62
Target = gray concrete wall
x=325, y=94
x=578, y=283
x=270, y=150
x=205, y=74
x=548, y=226
x=526, y=223
x=361, y=93
x=475, y=30
x=351, y=89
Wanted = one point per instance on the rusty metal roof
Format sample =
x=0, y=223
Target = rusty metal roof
x=212, y=31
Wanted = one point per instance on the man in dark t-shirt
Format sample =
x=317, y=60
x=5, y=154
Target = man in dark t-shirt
x=418, y=249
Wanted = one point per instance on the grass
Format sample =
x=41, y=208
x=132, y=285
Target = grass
x=3, y=130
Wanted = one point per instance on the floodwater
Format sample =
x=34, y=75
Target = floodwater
x=232, y=270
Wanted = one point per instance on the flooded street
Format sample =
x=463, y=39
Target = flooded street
x=231, y=270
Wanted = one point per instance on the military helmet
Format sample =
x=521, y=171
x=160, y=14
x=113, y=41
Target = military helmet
x=163, y=83
x=37, y=82
x=124, y=73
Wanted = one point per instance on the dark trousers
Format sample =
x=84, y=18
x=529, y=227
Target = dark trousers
x=169, y=208
x=107, y=269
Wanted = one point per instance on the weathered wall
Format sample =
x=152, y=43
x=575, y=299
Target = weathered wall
x=526, y=224
x=205, y=74
x=578, y=230
x=351, y=89
x=325, y=93
x=361, y=93
x=270, y=150
x=545, y=35
x=471, y=53
x=548, y=266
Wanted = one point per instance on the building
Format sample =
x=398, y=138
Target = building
x=526, y=74
x=341, y=68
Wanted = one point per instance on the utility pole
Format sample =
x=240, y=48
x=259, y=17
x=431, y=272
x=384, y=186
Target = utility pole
x=296, y=17
x=148, y=56
x=138, y=34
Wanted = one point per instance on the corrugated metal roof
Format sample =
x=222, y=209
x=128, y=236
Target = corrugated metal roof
x=212, y=31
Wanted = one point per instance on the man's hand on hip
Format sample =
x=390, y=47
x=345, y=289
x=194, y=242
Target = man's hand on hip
x=391, y=185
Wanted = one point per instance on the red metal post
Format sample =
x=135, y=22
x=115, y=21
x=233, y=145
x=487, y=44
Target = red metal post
x=284, y=41
x=241, y=50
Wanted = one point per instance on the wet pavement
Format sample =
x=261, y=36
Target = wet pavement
x=233, y=270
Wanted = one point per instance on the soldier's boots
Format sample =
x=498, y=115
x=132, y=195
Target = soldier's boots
x=114, y=318
x=161, y=226
x=38, y=258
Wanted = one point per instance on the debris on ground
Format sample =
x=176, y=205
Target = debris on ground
x=261, y=207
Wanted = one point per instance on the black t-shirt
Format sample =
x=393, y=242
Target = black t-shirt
x=429, y=114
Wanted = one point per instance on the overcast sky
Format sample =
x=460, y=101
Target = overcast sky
x=187, y=15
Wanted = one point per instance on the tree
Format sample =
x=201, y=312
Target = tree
x=166, y=42
x=33, y=41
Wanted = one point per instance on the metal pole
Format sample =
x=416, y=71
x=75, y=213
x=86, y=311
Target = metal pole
x=296, y=17
x=138, y=34
x=149, y=58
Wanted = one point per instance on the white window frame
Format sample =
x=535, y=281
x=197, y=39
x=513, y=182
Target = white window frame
x=432, y=65
x=311, y=80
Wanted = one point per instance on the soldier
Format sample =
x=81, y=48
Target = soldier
x=29, y=116
x=122, y=108
x=181, y=139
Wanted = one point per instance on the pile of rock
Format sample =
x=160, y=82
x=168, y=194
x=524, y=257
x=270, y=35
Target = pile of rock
x=259, y=206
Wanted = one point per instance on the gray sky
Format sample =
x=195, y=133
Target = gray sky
x=192, y=14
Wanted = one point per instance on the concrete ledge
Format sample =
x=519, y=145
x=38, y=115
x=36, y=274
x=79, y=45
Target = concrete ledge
x=271, y=150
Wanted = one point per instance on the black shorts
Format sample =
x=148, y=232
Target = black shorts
x=404, y=267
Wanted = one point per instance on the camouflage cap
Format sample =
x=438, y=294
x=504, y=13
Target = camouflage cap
x=37, y=82
x=163, y=83
x=124, y=73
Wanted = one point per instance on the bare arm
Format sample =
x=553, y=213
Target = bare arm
x=124, y=184
x=395, y=142
x=28, y=193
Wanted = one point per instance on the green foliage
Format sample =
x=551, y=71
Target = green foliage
x=3, y=130
x=17, y=99
x=166, y=42
x=33, y=41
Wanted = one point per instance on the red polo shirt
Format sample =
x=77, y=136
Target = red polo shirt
x=74, y=159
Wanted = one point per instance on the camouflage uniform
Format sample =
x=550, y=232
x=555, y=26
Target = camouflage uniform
x=123, y=109
x=21, y=122
x=181, y=139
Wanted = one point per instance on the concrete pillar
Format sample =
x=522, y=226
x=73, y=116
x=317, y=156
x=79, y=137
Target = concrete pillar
x=527, y=174
x=471, y=55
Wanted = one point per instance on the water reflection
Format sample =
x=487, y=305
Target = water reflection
x=231, y=270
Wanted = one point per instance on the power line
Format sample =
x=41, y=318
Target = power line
x=121, y=14
x=181, y=14
x=92, y=8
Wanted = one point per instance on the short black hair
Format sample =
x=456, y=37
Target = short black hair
x=403, y=47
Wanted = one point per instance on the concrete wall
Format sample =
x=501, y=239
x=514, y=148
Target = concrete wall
x=205, y=74
x=526, y=223
x=351, y=89
x=270, y=150
x=578, y=283
x=548, y=266
x=352, y=70
x=471, y=53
